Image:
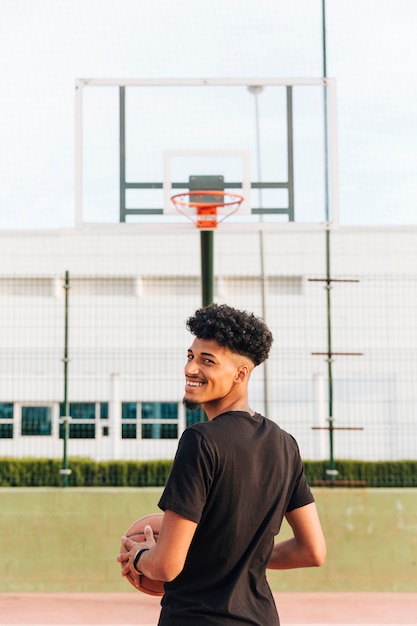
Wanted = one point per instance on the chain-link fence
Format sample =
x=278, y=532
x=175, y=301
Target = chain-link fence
x=345, y=339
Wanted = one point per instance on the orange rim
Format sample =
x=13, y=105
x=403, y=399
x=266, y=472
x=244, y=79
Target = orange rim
x=206, y=211
x=179, y=199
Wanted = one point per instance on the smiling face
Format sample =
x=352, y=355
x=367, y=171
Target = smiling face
x=215, y=378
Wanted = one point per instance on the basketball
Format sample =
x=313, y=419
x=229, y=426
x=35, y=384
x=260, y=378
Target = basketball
x=136, y=533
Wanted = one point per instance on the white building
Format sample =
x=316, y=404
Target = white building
x=131, y=290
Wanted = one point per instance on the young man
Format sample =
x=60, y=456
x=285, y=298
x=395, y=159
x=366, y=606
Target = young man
x=233, y=480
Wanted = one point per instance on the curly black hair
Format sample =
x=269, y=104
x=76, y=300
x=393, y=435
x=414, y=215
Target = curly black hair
x=239, y=331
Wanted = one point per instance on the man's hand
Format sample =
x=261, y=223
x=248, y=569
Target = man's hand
x=166, y=557
x=131, y=547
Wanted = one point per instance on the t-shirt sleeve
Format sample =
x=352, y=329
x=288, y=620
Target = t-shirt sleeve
x=301, y=494
x=191, y=476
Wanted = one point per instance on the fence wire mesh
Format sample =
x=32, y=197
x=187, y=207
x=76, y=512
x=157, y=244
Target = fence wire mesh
x=128, y=301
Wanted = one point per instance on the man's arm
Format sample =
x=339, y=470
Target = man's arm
x=165, y=559
x=307, y=548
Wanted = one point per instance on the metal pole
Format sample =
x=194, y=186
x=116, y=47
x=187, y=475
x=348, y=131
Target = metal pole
x=122, y=155
x=207, y=280
x=65, y=472
x=256, y=90
x=207, y=262
x=331, y=471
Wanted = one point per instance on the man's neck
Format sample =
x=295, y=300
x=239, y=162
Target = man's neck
x=213, y=409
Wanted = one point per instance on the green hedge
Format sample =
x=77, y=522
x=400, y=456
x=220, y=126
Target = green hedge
x=87, y=473
x=364, y=473
x=84, y=473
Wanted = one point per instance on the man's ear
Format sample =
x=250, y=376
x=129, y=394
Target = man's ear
x=242, y=374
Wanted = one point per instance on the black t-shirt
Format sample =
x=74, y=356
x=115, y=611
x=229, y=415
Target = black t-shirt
x=236, y=476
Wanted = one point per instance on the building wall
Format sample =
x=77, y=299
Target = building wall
x=130, y=293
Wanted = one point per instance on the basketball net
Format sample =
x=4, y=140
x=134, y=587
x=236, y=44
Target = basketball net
x=201, y=206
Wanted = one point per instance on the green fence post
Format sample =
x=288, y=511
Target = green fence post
x=65, y=471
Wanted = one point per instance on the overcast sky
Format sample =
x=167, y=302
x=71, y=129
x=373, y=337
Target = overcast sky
x=45, y=45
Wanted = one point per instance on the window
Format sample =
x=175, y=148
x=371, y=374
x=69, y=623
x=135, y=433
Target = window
x=6, y=411
x=150, y=420
x=82, y=424
x=159, y=420
x=83, y=410
x=193, y=417
x=104, y=415
x=6, y=420
x=36, y=420
x=129, y=412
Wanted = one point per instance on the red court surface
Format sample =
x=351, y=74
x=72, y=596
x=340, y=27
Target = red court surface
x=124, y=609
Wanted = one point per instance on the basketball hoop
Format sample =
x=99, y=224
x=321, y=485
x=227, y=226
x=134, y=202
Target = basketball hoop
x=201, y=206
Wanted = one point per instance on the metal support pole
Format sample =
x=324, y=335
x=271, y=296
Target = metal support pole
x=331, y=471
x=65, y=472
x=207, y=280
x=207, y=262
x=256, y=90
x=122, y=155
